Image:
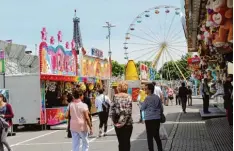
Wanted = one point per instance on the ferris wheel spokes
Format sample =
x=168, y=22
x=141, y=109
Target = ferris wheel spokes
x=170, y=26
x=145, y=54
x=140, y=49
x=143, y=38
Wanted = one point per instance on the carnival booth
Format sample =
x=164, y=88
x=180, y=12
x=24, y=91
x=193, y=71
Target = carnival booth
x=214, y=41
x=135, y=81
x=58, y=72
x=39, y=97
x=95, y=73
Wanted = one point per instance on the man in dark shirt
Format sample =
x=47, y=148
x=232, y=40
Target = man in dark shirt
x=183, y=92
x=228, y=98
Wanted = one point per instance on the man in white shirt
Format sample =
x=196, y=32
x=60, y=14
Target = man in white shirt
x=103, y=112
x=158, y=91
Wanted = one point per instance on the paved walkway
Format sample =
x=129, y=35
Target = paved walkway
x=187, y=132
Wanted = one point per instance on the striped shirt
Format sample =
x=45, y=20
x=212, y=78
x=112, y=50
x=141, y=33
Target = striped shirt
x=152, y=107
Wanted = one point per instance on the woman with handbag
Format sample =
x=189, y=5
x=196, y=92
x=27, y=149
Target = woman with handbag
x=7, y=114
x=152, y=106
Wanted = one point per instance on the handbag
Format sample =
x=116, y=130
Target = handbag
x=162, y=116
x=105, y=105
x=3, y=123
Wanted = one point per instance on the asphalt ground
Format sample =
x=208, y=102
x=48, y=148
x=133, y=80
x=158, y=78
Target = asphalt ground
x=55, y=140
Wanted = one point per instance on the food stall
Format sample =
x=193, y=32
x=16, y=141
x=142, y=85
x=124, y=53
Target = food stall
x=95, y=73
x=58, y=72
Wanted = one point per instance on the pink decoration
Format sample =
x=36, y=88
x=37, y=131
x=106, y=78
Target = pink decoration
x=73, y=44
x=52, y=40
x=67, y=45
x=43, y=34
x=59, y=36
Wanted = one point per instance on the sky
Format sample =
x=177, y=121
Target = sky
x=23, y=20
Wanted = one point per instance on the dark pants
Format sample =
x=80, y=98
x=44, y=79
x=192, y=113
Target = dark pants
x=152, y=130
x=229, y=111
x=206, y=101
x=141, y=116
x=90, y=117
x=177, y=100
x=184, y=103
x=190, y=99
x=124, y=135
x=68, y=129
x=103, y=117
x=3, y=135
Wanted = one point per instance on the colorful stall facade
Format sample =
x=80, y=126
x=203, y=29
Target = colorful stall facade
x=95, y=67
x=58, y=70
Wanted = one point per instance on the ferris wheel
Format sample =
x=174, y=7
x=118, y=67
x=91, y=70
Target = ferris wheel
x=156, y=35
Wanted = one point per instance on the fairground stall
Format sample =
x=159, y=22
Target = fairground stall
x=95, y=73
x=58, y=72
x=210, y=33
x=39, y=84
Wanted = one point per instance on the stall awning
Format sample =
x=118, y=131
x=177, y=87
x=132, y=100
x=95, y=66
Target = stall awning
x=192, y=13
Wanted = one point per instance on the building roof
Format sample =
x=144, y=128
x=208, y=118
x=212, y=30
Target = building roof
x=17, y=61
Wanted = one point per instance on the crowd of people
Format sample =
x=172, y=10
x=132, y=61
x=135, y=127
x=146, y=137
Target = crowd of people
x=151, y=99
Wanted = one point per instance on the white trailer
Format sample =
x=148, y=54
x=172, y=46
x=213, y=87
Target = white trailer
x=25, y=98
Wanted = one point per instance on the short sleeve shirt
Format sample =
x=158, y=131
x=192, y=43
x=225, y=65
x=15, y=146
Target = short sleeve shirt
x=157, y=91
x=78, y=122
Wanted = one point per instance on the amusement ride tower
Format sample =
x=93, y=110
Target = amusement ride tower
x=76, y=33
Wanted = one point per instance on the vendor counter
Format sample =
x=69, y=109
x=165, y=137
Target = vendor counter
x=56, y=115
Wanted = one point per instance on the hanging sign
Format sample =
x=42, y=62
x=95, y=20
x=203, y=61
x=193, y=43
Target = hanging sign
x=144, y=72
x=194, y=63
x=97, y=53
x=2, y=61
x=95, y=67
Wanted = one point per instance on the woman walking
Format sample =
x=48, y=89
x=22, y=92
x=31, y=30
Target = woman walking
x=6, y=113
x=152, y=106
x=80, y=123
x=121, y=111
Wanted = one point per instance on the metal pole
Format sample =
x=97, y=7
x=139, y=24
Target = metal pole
x=109, y=26
x=4, y=80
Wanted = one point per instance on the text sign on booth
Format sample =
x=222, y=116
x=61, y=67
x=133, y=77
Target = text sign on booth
x=97, y=52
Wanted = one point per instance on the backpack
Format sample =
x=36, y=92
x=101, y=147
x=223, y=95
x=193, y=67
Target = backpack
x=105, y=105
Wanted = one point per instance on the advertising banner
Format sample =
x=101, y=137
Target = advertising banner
x=2, y=61
x=5, y=93
x=152, y=74
x=57, y=60
x=194, y=63
x=95, y=67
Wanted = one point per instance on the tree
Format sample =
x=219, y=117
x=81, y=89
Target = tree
x=117, y=69
x=169, y=71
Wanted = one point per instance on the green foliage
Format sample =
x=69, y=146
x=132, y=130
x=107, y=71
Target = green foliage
x=169, y=71
x=117, y=69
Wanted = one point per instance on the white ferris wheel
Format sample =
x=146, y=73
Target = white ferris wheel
x=156, y=35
